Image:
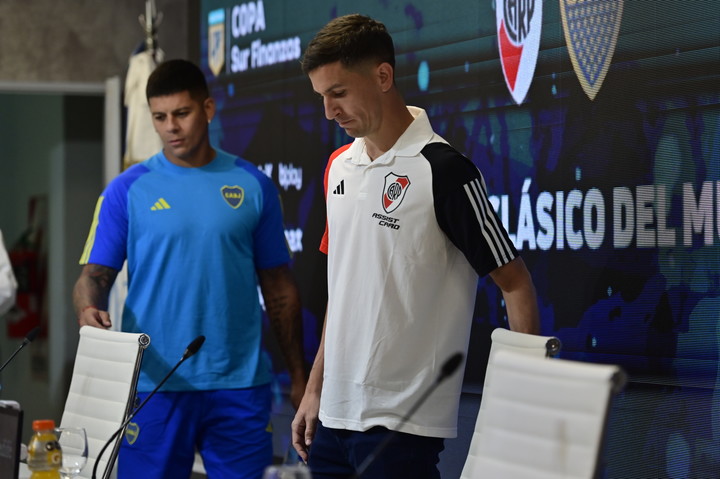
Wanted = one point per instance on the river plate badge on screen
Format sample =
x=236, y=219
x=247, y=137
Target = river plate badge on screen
x=519, y=23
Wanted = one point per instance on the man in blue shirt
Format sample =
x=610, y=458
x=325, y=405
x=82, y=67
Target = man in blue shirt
x=200, y=229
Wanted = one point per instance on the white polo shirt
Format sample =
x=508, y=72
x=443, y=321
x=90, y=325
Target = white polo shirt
x=407, y=236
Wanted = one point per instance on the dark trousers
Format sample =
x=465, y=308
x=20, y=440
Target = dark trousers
x=337, y=453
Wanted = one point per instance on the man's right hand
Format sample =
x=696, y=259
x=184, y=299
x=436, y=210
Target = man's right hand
x=91, y=316
x=305, y=424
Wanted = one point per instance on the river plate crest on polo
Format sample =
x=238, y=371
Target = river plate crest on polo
x=591, y=30
x=216, y=40
x=394, y=191
x=519, y=23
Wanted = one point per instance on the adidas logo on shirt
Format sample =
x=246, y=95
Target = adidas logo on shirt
x=340, y=189
x=160, y=204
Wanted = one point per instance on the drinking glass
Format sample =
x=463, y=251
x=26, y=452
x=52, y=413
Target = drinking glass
x=74, y=447
x=286, y=471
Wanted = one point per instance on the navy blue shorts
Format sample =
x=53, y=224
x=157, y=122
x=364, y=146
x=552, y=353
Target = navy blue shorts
x=337, y=453
x=230, y=428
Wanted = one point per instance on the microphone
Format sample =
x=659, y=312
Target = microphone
x=28, y=339
x=448, y=369
x=192, y=348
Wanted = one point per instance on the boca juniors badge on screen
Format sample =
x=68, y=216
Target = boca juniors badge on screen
x=519, y=23
x=591, y=30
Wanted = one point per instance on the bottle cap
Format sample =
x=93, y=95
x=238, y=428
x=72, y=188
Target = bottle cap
x=43, y=424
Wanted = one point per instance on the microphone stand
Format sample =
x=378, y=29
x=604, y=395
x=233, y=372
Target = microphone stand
x=447, y=370
x=191, y=349
x=28, y=339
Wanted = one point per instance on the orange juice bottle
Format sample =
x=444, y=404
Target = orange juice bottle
x=44, y=454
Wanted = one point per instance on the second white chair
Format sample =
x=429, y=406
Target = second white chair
x=543, y=419
x=505, y=340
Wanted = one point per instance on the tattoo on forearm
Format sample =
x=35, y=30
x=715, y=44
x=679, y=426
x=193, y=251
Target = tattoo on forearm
x=281, y=311
x=282, y=305
x=93, y=286
x=275, y=307
x=102, y=277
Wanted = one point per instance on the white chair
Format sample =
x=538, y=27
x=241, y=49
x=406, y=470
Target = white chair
x=532, y=344
x=542, y=419
x=506, y=340
x=102, y=389
x=198, y=465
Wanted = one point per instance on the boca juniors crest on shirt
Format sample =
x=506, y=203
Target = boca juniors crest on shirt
x=591, y=31
x=216, y=40
x=519, y=23
x=394, y=191
x=233, y=195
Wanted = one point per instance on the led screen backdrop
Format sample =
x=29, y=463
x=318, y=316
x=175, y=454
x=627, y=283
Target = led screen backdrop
x=596, y=126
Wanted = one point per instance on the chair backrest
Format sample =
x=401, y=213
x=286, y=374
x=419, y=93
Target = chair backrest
x=543, y=419
x=506, y=340
x=532, y=344
x=102, y=389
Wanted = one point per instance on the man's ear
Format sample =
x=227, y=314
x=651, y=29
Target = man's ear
x=209, y=107
x=385, y=75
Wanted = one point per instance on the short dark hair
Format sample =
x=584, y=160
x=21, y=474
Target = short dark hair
x=350, y=39
x=176, y=76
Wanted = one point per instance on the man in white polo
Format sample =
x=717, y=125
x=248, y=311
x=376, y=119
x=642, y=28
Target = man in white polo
x=409, y=230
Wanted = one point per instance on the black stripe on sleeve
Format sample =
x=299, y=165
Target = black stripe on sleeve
x=463, y=210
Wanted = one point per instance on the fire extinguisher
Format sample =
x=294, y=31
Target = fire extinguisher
x=29, y=263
